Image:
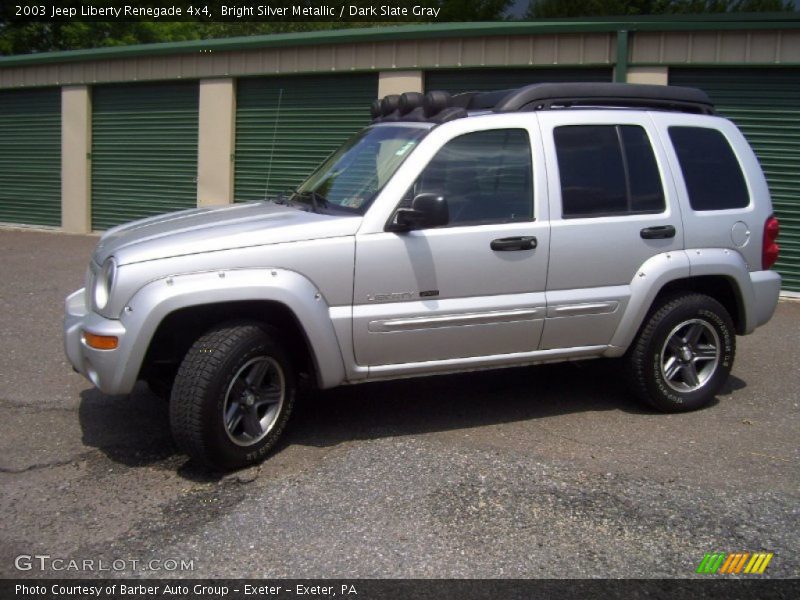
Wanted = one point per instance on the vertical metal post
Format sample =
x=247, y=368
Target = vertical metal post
x=621, y=66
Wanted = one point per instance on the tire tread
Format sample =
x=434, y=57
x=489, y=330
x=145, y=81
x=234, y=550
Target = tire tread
x=637, y=355
x=194, y=381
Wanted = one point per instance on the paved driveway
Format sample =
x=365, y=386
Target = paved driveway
x=546, y=471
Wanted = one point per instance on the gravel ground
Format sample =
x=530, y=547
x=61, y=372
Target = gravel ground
x=548, y=471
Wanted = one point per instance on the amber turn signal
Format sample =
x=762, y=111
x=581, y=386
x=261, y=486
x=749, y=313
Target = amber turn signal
x=100, y=342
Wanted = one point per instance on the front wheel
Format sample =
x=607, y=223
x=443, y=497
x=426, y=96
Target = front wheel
x=233, y=395
x=684, y=354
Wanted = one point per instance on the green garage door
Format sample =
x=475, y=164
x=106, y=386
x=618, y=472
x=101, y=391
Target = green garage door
x=30, y=157
x=286, y=126
x=481, y=80
x=765, y=104
x=144, y=151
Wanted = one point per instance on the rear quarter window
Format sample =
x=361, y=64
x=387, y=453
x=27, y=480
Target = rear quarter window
x=713, y=176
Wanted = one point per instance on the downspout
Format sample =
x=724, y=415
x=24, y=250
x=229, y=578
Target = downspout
x=621, y=66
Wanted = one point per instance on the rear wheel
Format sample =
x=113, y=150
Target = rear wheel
x=232, y=396
x=684, y=353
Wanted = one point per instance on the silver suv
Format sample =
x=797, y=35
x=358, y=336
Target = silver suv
x=547, y=223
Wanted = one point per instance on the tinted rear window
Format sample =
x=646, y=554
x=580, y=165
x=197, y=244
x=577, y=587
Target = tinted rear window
x=607, y=170
x=714, y=179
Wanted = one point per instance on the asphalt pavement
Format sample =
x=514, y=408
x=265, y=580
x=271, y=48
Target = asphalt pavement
x=549, y=471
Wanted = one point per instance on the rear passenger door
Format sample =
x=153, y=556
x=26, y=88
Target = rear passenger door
x=611, y=209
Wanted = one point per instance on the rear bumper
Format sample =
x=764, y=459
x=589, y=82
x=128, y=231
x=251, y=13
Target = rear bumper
x=766, y=289
x=104, y=368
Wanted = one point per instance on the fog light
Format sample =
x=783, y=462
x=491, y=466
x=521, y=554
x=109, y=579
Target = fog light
x=100, y=342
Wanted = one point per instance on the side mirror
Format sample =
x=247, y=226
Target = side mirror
x=427, y=210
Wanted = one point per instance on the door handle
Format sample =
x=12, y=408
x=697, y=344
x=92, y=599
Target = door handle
x=659, y=232
x=511, y=244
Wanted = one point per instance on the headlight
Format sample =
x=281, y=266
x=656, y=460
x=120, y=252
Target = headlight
x=105, y=283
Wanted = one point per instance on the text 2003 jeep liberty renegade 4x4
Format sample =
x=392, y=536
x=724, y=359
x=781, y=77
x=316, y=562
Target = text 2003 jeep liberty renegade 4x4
x=551, y=222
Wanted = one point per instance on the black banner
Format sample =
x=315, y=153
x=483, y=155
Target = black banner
x=225, y=11
x=406, y=589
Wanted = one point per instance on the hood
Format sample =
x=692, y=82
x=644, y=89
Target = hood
x=218, y=228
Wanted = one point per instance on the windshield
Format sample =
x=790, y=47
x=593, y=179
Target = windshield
x=351, y=177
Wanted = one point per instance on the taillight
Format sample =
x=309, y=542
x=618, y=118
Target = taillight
x=769, y=248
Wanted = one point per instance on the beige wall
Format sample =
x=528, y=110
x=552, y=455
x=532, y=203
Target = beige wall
x=76, y=143
x=566, y=49
x=778, y=47
x=737, y=47
x=215, y=142
x=651, y=75
x=397, y=82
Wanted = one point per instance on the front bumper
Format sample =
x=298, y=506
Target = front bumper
x=106, y=369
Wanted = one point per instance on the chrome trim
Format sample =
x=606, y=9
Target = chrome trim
x=573, y=310
x=484, y=318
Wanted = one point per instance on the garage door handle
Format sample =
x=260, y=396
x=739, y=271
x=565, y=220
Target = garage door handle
x=658, y=233
x=511, y=244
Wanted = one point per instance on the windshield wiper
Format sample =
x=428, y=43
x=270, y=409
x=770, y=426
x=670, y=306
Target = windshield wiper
x=312, y=201
x=283, y=198
x=316, y=198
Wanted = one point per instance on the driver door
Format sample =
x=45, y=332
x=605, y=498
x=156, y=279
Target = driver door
x=472, y=288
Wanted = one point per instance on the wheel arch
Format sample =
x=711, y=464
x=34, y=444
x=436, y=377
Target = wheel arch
x=719, y=274
x=179, y=329
x=196, y=302
x=720, y=287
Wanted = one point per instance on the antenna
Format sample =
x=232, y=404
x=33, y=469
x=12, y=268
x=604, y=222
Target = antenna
x=274, y=136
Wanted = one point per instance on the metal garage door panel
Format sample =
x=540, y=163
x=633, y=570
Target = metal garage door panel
x=481, y=80
x=286, y=126
x=144, y=151
x=30, y=156
x=765, y=104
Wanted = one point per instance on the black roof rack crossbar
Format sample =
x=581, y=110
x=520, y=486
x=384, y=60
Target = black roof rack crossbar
x=543, y=96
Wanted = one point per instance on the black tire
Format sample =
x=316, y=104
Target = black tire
x=212, y=381
x=669, y=371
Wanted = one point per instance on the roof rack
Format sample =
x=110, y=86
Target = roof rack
x=439, y=107
x=544, y=96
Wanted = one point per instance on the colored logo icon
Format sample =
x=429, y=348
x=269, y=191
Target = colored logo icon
x=721, y=563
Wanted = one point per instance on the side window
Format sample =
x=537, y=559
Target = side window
x=485, y=176
x=607, y=170
x=713, y=177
